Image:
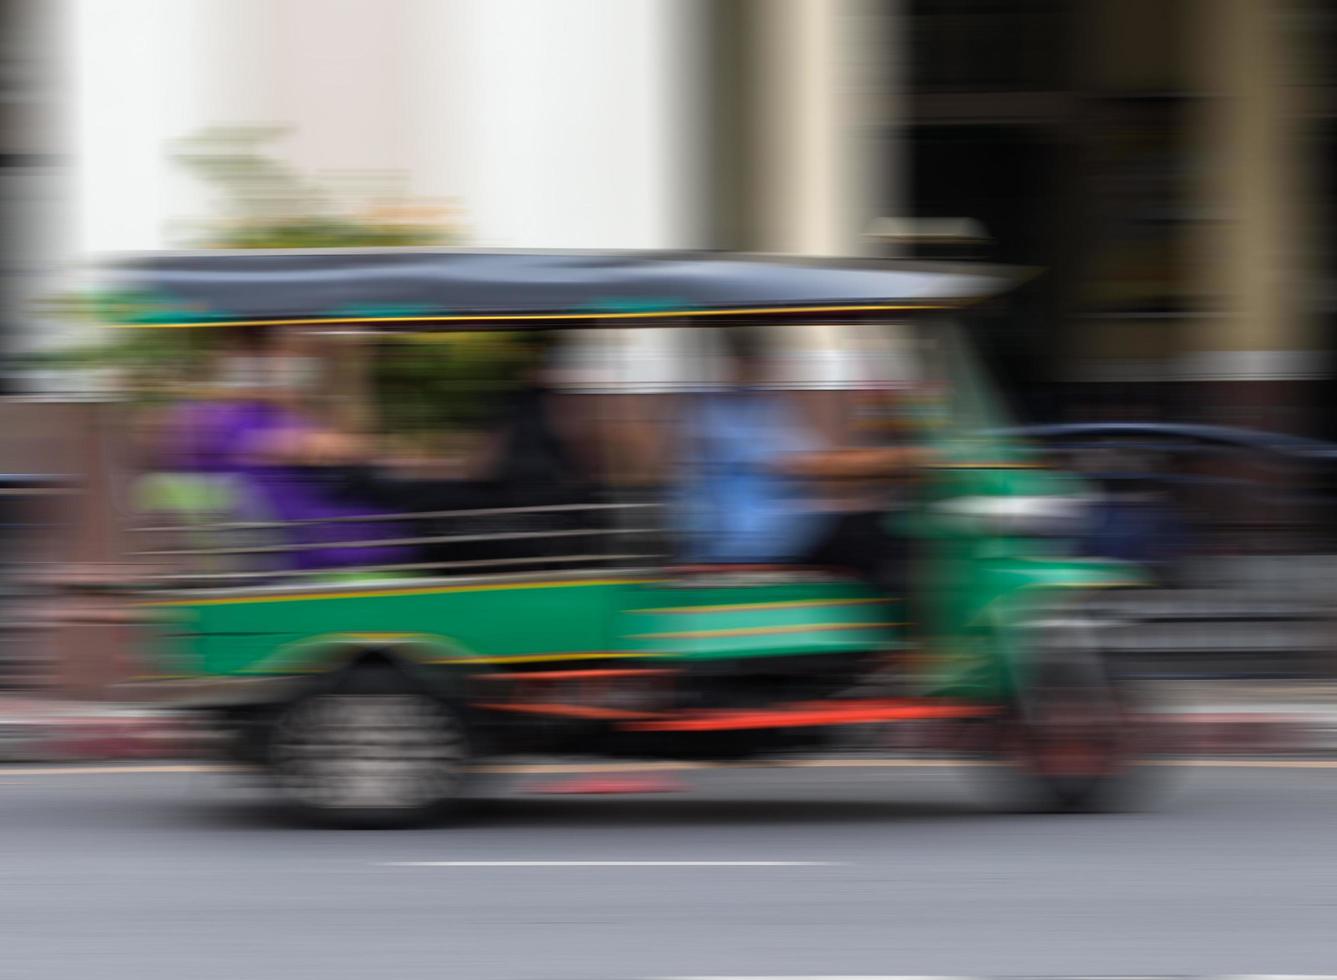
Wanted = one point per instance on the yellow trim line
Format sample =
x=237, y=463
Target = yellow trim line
x=517, y=317
x=528, y=658
x=375, y=593
x=743, y=606
x=764, y=630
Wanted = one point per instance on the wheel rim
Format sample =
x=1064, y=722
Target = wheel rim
x=383, y=751
x=1073, y=738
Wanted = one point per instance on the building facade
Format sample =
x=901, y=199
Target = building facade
x=1165, y=161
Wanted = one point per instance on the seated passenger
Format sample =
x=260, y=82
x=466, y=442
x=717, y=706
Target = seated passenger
x=538, y=459
x=283, y=462
x=535, y=455
x=532, y=460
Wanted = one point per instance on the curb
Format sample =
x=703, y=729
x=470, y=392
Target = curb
x=104, y=736
x=45, y=733
x=1212, y=733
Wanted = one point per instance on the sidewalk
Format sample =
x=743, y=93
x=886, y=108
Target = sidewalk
x=1213, y=718
x=34, y=729
x=1247, y=717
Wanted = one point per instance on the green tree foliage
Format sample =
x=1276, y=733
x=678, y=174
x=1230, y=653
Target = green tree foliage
x=264, y=202
x=446, y=382
x=148, y=362
x=421, y=386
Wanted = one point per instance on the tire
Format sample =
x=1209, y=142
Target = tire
x=371, y=751
x=1069, y=734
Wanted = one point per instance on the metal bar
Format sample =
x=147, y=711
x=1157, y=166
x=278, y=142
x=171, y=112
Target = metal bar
x=417, y=566
x=394, y=542
x=483, y=512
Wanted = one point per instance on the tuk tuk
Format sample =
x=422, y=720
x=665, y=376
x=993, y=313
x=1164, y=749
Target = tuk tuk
x=374, y=696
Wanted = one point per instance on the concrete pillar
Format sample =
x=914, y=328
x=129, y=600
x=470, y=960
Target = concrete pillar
x=804, y=139
x=811, y=123
x=563, y=125
x=133, y=88
x=1252, y=249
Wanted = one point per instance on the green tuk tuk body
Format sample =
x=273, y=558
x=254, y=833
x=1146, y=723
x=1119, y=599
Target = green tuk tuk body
x=438, y=672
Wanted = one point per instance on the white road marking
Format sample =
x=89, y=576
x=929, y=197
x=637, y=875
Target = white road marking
x=111, y=769
x=606, y=864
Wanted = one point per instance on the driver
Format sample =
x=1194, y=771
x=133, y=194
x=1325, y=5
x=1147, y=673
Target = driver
x=747, y=493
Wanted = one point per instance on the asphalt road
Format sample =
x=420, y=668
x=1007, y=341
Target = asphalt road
x=185, y=875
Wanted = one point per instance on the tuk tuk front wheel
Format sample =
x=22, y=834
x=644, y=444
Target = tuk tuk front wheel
x=371, y=751
x=1068, y=731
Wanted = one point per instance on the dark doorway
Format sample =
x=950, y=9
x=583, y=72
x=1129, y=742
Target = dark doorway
x=1009, y=179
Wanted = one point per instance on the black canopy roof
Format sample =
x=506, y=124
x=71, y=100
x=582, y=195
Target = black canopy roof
x=445, y=286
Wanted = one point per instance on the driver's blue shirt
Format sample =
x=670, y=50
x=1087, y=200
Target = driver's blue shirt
x=735, y=504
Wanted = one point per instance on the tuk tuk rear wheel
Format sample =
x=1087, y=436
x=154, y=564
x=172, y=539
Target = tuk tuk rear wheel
x=371, y=751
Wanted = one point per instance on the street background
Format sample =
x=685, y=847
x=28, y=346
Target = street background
x=1164, y=166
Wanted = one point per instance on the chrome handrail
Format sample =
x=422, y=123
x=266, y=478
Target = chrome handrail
x=412, y=566
x=367, y=518
x=392, y=542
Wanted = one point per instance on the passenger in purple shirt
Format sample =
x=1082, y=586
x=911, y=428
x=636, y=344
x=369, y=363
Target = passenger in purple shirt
x=292, y=469
x=282, y=461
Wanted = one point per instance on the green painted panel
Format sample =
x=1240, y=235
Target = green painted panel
x=708, y=622
x=579, y=620
x=272, y=634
